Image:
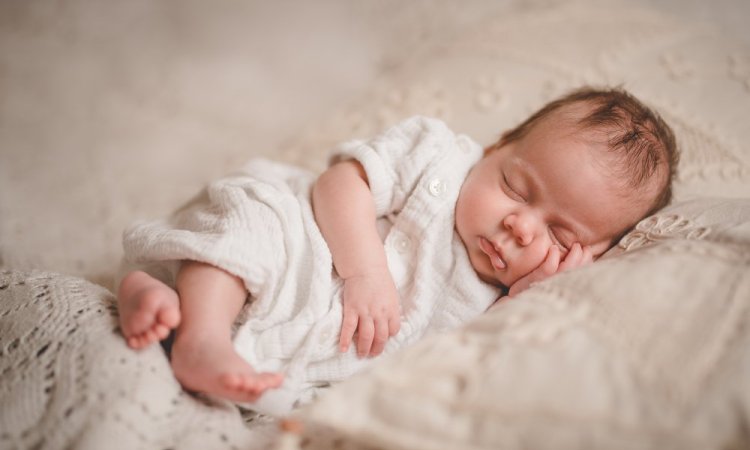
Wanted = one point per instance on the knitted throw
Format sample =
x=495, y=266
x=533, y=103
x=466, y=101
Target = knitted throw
x=67, y=379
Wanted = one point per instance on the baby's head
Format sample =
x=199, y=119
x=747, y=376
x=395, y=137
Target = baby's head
x=583, y=169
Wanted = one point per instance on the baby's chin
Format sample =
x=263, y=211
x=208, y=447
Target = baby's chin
x=490, y=278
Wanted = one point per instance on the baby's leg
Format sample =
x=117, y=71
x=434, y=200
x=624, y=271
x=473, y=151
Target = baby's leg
x=203, y=357
x=148, y=309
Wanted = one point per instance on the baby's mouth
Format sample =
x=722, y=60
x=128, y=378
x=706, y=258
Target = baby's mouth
x=492, y=252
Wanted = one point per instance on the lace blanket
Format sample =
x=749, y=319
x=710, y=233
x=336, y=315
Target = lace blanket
x=69, y=381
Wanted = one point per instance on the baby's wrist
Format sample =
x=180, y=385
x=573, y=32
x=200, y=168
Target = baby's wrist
x=374, y=270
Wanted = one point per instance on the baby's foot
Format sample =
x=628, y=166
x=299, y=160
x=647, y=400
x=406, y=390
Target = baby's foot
x=148, y=308
x=209, y=364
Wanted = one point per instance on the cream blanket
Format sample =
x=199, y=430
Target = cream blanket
x=666, y=360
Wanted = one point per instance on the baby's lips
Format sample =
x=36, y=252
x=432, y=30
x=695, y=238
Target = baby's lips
x=495, y=258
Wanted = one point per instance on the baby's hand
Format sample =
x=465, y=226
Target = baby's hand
x=577, y=256
x=372, y=309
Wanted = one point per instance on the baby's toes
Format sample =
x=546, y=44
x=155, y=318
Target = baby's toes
x=249, y=396
x=142, y=340
x=138, y=323
x=132, y=342
x=271, y=380
x=137, y=342
x=150, y=336
x=161, y=331
x=253, y=384
x=240, y=382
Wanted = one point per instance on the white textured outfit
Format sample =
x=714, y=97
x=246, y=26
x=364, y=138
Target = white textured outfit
x=258, y=225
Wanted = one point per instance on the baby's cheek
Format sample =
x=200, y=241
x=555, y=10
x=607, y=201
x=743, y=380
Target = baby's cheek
x=533, y=257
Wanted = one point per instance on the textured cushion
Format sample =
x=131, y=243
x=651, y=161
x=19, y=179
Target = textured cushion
x=646, y=348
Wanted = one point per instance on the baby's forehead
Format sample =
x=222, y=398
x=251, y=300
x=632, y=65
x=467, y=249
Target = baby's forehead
x=569, y=119
x=564, y=138
x=570, y=122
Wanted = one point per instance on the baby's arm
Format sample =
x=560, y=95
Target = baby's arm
x=577, y=256
x=345, y=213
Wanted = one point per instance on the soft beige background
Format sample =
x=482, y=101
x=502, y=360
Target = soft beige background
x=112, y=111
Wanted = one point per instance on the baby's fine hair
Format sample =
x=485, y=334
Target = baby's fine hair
x=639, y=138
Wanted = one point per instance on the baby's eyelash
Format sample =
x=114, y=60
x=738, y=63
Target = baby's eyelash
x=515, y=193
x=558, y=242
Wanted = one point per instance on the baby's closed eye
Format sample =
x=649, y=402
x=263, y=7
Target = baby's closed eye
x=511, y=191
x=561, y=238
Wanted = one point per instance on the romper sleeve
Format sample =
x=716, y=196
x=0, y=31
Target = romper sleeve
x=395, y=159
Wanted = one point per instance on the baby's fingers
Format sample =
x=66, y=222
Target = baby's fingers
x=366, y=333
x=348, y=327
x=572, y=259
x=588, y=256
x=381, y=337
x=547, y=268
x=550, y=264
x=394, y=325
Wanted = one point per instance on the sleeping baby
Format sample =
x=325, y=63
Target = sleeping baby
x=276, y=281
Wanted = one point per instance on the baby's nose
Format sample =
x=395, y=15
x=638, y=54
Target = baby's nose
x=521, y=228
